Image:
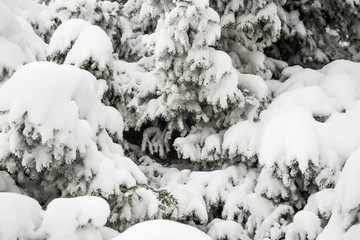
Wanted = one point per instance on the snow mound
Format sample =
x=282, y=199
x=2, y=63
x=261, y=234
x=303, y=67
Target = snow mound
x=20, y=216
x=312, y=124
x=47, y=92
x=75, y=218
x=79, y=41
x=162, y=230
x=92, y=43
x=65, y=35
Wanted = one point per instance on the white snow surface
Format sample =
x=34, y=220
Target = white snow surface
x=18, y=42
x=92, y=43
x=289, y=130
x=162, y=230
x=75, y=218
x=306, y=225
x=346, y=204
x=20, y=216
x=61, y=103
x=222, y=229
x=79, y=218
x=65, y=34
x=48, y=92
x=81, y=41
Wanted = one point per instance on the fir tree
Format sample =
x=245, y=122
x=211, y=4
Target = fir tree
x=200, y=92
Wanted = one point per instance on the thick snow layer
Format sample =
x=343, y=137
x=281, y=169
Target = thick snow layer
x=346, y=199
x=108, y=233
x=254, y=84
x=20, y=216
x=241, y=138
x=306, y=225
x=81, y=41
x=18, y=41
x=75, y=218
x=347, y=190
x=290, y=126
x=83, y=8
x=321, y=203
x=61, y=104
x=221, y=229
x=259, y=207
x=65, y=35
x=197, y=191
x=47, y=92
x=223, y=92
x=162, y=230
x=11, y=54
x=92, y=43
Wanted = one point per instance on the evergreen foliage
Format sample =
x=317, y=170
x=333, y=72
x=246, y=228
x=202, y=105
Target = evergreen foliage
x=189, y=110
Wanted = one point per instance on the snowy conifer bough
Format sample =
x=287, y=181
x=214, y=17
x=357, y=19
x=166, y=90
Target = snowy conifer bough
x=185, y=110
x=58, y=136
x=197, y=93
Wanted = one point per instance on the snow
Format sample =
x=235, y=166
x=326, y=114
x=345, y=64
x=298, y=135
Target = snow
x=289, y=131
x=75, y=218
x=259, y=207
x=163, y=43
x=346, y=190
x=92, y=43
x=83, y=8
x=7, y=49
x=284, y=147
x=162, y=230
x=80, y=42
x=47, y=91
x=307, y=225
x=62, y=106
x=218, y=94
x=290, y=157
x=20, y=216
x=18, y=42
x=125, y=28
x=65, y=34
x=267, y=13
x=143, y=206
x=221, y=229
x=254, y=84
x=241, y=138
x=345, y=206
x=108, y=233
x=270, y=186
x=273, y=224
